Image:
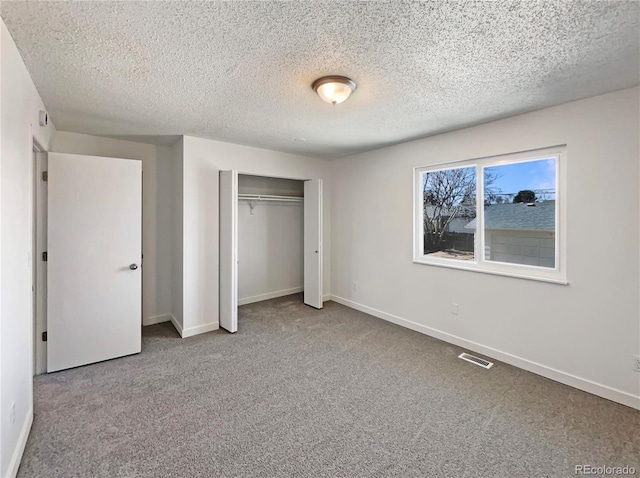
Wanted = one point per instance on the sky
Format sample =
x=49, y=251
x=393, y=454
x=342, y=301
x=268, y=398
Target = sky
x=514, y=177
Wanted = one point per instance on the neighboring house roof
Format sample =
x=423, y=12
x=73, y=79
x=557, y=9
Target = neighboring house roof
x=541, y=217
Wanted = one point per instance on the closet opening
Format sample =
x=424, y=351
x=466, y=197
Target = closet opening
x=270, y=238
x=270, y=241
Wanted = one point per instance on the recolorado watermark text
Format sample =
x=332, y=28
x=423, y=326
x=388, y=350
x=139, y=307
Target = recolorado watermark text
x=604, y=470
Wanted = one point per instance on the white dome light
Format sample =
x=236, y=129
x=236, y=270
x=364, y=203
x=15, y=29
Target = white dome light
x=334, y=89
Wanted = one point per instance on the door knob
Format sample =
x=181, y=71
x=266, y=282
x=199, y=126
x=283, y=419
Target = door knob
x=133, y=267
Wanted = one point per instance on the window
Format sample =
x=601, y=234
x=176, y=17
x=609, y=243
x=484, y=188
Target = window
x=500, y=215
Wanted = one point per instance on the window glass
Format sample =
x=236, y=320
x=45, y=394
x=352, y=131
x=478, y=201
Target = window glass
x=449, y=205
x=520, y=213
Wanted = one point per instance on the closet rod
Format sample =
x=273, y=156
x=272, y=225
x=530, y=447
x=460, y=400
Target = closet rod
x=268, y=197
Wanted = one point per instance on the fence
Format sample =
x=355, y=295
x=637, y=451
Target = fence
x=458, y=241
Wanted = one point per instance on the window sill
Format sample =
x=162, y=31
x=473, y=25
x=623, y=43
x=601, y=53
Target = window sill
x=474, y=267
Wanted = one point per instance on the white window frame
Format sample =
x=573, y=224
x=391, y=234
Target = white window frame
x=557, y=275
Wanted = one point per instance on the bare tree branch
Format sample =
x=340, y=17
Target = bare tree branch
x=449, y=194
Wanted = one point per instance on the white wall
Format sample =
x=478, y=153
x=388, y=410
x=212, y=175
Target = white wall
x=583, y=334
x=203, y=159
x=156, y=211
x=270, y=250
x=20, y=105
x=177, y=228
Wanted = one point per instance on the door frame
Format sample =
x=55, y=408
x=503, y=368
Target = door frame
x=38, y=246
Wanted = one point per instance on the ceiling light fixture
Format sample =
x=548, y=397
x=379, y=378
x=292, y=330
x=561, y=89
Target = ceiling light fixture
x=334, y=89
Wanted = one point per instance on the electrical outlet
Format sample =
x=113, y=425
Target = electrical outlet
x=12, y=417
x=636, y=363
x=354, y=286
x=455, y=308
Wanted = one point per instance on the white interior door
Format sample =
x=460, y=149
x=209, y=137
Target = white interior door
x=313, y=243
x=94, y=279
x=229, y=250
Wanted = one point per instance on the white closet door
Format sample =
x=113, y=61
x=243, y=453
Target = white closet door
x=313, y=243
x=229, y=250
x=94, y=246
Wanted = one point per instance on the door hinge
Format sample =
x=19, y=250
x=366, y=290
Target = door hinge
x=44, y=256
x=44, y=336
x=45, y=175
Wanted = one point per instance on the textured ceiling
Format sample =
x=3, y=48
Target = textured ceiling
x=241, y=71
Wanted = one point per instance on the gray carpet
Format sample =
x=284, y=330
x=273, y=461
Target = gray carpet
x=302, y=392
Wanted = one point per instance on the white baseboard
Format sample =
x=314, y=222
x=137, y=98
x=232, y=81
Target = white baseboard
x=269, y=295
x=14, y=464
x=156, y=319
x=594, y=388
x=200, y=329
x=191, y=331
x=279, y=293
